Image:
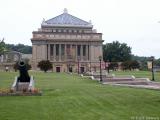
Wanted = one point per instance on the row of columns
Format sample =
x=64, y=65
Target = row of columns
x=51, y=48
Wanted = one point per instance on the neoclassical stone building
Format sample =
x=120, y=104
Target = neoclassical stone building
x=70, y=43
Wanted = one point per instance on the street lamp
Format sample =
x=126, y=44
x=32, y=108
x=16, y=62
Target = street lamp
x=100, y=60
x=150, y=65
x=152, y=59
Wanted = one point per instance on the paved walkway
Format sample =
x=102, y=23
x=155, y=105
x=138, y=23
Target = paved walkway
x=135, y=83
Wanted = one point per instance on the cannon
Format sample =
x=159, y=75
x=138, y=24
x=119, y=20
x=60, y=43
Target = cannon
x=23, y=82
x=24, y=76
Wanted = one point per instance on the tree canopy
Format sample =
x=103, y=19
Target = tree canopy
x=130, y=65
x=20, y=48
x=116, y=52
x=2, y=46
x=45, y=65
x=26, y=49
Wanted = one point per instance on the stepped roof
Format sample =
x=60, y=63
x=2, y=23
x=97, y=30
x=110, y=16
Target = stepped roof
x=66, y=19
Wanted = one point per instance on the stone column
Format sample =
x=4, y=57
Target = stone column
x=54, y=52
x=59, y=52
x=81, y=52
x=65, y=52
x=49, y=53
x=71, y=47
x=76, y=53
x=87, y=52
x=90, y=62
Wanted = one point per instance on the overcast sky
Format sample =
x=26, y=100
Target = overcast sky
x=134, y=22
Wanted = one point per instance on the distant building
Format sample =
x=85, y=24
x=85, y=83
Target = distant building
x=156, y=68
x=68, y=42
x=27, y=58
x=8, y=59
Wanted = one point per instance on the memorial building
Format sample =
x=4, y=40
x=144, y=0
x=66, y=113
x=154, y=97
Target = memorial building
x=70, y=43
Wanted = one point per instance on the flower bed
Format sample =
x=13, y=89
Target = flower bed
x=10, y=92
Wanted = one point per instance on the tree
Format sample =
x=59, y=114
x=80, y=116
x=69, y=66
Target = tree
x=125, y=65
x=130, y=65
x=2, y=46
x=116, y=52
x=142, y=61
x=134, y=64
x=157, y=62
x=20, y=48
x=113, y=65
x=45, y=65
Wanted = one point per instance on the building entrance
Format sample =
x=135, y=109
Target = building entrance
x=82, y=69
x=58, y=69
x=70, y=69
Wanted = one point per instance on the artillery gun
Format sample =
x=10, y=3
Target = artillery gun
x=23, y=82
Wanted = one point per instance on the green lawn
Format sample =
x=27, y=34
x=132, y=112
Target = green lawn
x=70, y=97
x=139, y=74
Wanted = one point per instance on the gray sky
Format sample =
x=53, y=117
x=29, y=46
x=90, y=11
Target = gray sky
x=134, y=22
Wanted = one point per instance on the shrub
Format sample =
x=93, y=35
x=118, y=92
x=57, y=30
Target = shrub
x=45, y=65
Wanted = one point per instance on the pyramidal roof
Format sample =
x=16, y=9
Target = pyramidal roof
x=66, y=20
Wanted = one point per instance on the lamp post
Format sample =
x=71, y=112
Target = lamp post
x=100, y=60
x=152, y=59
x=151, y=66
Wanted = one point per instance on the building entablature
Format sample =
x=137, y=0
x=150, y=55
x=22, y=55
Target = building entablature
x=94, y=36
x=66, y=30
x=45, y=42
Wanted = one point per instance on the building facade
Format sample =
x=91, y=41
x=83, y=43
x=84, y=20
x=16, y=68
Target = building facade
x=8, y=60
x=70, y=43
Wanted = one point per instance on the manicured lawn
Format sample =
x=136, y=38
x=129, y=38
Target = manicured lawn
x=139, y=74
x=70, y=97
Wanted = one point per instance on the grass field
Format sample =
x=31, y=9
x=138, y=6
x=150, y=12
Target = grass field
x=70, y=97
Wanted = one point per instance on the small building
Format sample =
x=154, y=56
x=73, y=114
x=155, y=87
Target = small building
x=8, y=59
x=70, y=43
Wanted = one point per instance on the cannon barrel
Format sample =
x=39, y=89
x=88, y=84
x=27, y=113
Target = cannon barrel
x=24, y=76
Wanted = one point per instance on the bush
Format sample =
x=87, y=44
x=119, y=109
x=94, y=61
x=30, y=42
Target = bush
x=129, y=65
x=45, y=65
x=113, y=66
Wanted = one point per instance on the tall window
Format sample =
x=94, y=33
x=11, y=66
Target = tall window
x=84, y=50
x=68, y=51
x=62, y=49
x=57, y=49
x=51, y=50
x=78, y=50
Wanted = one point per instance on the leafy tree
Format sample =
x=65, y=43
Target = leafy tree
x=157, y=62
x=134, y=64
x=45, y=65
x=130, y=65
x=20, y=48
x=113, y=65
x=125, y=65
x=2, y=46
x=142, y=61
x=116, y=52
